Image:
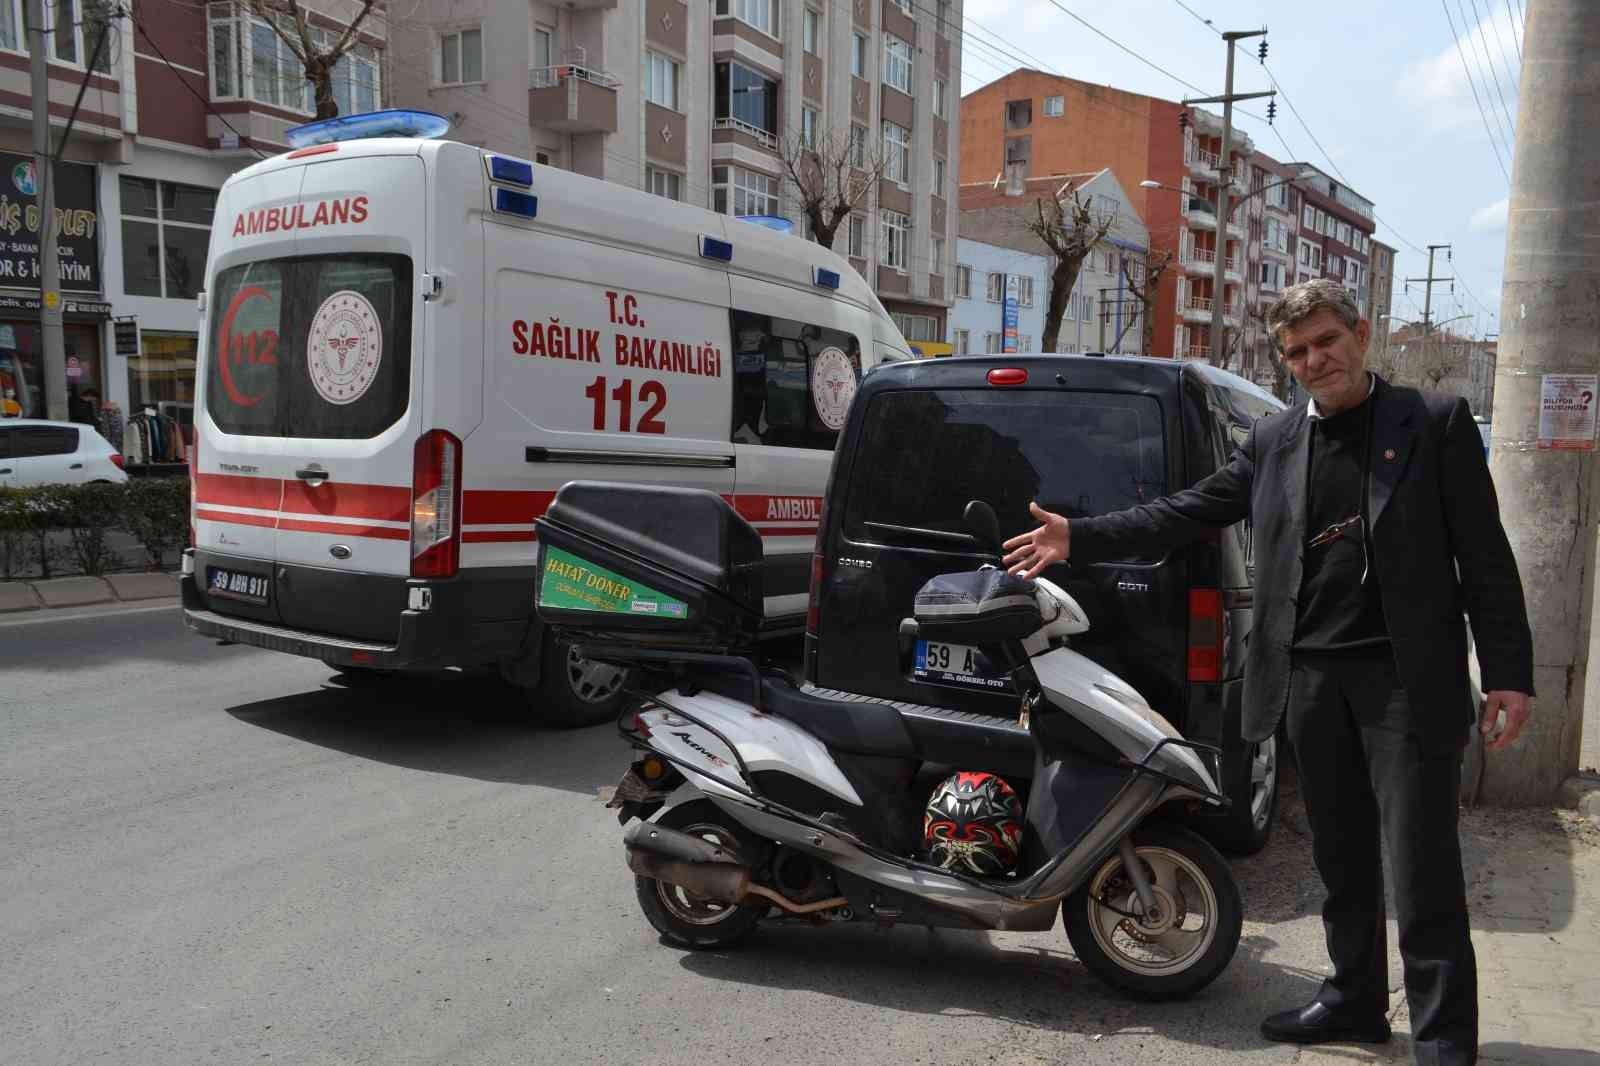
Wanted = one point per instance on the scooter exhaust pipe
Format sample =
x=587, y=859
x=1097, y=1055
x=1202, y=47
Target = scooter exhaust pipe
x=704, y=868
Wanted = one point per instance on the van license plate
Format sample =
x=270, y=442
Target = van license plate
x=238, y=585
x=959, y=664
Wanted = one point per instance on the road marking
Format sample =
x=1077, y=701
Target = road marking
x=68, y=614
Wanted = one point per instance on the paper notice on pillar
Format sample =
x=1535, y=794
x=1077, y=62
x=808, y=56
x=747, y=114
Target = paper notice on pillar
x=1567, y=411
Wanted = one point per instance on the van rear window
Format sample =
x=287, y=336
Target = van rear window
x=924, y=454
x=313, y=346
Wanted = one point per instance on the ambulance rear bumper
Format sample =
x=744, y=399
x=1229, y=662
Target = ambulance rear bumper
x=444, y=634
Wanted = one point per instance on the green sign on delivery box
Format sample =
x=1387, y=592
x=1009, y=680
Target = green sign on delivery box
x=575, y=584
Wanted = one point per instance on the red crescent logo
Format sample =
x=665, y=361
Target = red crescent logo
x=225, y=333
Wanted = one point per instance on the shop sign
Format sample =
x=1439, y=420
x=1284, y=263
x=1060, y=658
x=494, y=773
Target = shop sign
x=12, y=302
x=77, y=222
x=127, y=336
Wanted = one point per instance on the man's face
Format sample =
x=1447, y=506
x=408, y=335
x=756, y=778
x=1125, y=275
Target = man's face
x=1328, y=359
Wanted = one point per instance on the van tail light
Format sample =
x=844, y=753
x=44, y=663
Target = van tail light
x=814, y=601
x=1206, y=627
x=436, y=505
x=116, y=461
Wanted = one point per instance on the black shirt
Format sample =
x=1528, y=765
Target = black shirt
x=1338, y=610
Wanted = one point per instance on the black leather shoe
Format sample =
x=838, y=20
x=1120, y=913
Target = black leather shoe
x=1317, y=1023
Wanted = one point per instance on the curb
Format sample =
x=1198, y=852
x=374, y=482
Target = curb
x=1581, y=793
x=17, y=597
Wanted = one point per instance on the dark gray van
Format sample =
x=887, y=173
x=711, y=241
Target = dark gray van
x=1082, y=435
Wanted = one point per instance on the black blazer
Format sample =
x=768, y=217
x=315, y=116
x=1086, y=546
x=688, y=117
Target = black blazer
x=1440, y=551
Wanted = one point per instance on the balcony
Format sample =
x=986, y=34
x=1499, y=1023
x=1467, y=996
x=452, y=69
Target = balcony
x=1200, y=161
x=1199, y=308
x=1198, y=351
x=767, y=140
x=1199, y=261
x=573, y=99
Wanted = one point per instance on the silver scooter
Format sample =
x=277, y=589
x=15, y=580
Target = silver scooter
x=755, y=799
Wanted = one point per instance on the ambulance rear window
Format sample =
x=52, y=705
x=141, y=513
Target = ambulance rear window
x=312, y=346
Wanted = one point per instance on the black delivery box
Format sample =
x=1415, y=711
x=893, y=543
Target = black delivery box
x=648, y=566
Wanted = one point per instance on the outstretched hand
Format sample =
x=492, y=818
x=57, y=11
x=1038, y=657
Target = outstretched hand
x=1030, y=554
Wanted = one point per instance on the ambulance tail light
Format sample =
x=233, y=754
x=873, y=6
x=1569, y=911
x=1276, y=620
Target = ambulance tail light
x=1206, y=627
x=194, y=480
x=436, y=505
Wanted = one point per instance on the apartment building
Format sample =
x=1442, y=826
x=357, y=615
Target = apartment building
x=1380, y=292
x=698, y=102
x=179, y=96
x=998, y=258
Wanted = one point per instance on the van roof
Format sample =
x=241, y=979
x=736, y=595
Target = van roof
x=594, y=207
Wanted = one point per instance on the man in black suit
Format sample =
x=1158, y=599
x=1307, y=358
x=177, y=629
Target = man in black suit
x=1375, y=526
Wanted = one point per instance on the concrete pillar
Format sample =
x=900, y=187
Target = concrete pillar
x=1550, y=324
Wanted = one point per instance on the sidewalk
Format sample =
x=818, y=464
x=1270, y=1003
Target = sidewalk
x=19, y=596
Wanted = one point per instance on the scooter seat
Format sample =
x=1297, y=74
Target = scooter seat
x=860, y=728
x=962, y=739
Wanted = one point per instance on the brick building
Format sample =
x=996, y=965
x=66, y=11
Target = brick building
x=182, y=95
x=695, y=101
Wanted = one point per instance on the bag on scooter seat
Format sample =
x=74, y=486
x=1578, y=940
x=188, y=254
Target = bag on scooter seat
x=976, y=607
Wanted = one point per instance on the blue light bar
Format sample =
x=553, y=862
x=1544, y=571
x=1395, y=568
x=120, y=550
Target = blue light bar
x=394, y=122
x=511, y=171
x=774, y=222
x=513, y=202
x=712, y=248
x=828, y=279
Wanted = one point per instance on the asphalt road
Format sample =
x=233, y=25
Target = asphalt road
x=220, y=855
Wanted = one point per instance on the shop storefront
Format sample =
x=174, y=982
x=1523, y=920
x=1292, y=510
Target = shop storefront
x=161, y=376
x=77, y=220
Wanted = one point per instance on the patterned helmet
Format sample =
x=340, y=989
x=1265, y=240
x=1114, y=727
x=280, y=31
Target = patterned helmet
x=973, y=825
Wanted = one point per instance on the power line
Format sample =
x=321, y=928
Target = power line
x=1198, y=17
x=1480, y=50
x=1511, y=18
x=1513, y=75
x=1158, y=69
x=192, y=91
x=1472, y=84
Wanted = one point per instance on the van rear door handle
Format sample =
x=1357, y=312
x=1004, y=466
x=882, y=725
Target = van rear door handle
x=75, y=466
x=313, y=475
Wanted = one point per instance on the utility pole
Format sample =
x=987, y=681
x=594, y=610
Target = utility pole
x=1427, y=296
x=1105, y=312
x=1549, y=325
x=53, y=367
x=1225, y=176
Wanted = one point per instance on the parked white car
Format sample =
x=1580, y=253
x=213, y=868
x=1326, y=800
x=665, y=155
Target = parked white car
x=36, y=452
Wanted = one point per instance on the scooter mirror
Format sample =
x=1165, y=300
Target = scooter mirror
x=981, y=520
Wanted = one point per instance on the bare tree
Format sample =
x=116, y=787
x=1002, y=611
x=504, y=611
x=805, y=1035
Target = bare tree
x=291, y=22
x=1071, y=232
x=830, y=176
x=1146, y=289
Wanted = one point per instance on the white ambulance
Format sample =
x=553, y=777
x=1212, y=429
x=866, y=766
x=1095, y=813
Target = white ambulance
x=410, y=344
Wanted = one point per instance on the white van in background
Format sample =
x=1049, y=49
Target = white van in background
x=410, y=344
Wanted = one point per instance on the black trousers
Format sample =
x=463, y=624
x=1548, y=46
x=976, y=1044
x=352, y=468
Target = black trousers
x=1371, y=778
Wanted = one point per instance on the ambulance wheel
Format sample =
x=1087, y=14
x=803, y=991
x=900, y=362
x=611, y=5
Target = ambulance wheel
x=574, y=692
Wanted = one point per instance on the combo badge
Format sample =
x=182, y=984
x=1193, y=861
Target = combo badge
x=345, y=347
x=833, y=386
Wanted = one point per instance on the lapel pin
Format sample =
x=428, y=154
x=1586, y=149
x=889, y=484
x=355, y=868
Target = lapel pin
x=1388, y=453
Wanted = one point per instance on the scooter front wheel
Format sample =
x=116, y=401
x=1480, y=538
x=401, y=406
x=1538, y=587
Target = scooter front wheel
x=685, y=918
x=1184, y=944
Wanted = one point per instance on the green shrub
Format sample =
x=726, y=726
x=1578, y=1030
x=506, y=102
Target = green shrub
x=89, y=512
x=156, y=513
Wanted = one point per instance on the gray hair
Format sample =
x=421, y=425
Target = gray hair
x=1299, y=302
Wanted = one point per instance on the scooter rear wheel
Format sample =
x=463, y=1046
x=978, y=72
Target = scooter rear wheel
x=683, y=917
x=1185, y=945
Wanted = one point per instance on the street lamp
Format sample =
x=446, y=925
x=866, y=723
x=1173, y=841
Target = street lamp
x=1218, y=281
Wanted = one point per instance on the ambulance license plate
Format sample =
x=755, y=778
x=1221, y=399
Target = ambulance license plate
x=958, y=664
x=239, y=585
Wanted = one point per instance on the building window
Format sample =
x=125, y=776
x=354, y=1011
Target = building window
x=917, y=327
x=858, y=146
x=1024, y=291
x=79, y=24
x=1309, y=219
x=1024, y=342
x=811, y=31
x=858, y=237
x=996, y=290
x=808, y=127
x=661, y=80
x=250, y=61
x=991, y=344
x=937, y=266
x=894, y=239
x=663, y=183
x=461, y=57
x=544, y=47
x=762, y=14
x=896, y=153
x=165, y=230
x=963, y=281
x=1055, y=106
x=938, y=97
x=858, y=56
x=745, y=98
x=938, y=177
x=736, y=191
x=908, y=6
x=960, y=339
x=896, y=63
x=162, y=376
